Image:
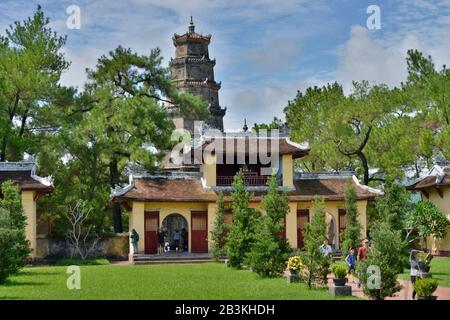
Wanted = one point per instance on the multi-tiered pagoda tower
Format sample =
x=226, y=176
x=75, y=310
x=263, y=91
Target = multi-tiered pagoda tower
x=193, y=72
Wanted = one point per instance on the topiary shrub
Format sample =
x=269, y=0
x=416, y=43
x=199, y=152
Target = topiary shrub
x=14, y=247
x=339, y=271
x=271, y=249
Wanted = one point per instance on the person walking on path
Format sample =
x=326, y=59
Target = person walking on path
x=415, y=269
x=351, y=261
x=176, y=239
x=362, y=251
x=362, y=254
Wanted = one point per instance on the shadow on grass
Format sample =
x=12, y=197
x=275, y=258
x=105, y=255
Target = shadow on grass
x=15, y=283
x=37, y=273
x=9, y=298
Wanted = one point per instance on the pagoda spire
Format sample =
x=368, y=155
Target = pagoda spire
x=191, y=26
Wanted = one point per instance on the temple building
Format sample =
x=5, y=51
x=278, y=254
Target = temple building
x=183, y=196
x=435, y=187
x=32, y=187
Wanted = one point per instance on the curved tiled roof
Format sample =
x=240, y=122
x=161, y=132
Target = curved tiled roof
x=437, y=177
x=251, y=145
x=191, y=190
x=190, y=36
x=22, y=173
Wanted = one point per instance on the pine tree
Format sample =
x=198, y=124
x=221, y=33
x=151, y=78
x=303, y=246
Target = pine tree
x=394, y=206
x=270, y=250
x=352, y=233
x=384, y=258
x=243, y=229
x=218, y=234
x=314, y=231
x=14, y=247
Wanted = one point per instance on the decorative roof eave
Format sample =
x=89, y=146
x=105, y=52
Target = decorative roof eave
x=47, y=182
x=367, y=188
x=189, y=59
x=196, y=37
x=195, y=83
x=120, y=191
x=303, y=146
x=437, y=172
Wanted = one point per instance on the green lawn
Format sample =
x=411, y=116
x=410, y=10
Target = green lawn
x=440, y=268
x=174, y=281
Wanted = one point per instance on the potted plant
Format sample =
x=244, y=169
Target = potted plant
x=295, y=264
x=340, y=274
x=425, y=288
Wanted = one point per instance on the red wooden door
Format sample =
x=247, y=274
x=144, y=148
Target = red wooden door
x=199, y=232
x=302, y=219
x=151, y=223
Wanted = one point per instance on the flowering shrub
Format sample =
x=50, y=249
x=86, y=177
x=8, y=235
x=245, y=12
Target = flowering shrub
x=295, y=264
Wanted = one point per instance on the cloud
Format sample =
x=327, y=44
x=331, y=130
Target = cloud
x=261, y=104
x=274, y=55
x=363, y=58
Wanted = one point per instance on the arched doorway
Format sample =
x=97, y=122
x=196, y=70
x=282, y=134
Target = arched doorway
x=170, y=224
x=331, y=230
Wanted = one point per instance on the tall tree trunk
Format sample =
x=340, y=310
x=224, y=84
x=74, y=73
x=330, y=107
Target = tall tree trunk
x=116, y=208
x=12, y=112
x=365, y=166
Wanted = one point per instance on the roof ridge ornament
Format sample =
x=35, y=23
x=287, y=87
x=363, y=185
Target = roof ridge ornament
x=191, y=26
x=245, y=128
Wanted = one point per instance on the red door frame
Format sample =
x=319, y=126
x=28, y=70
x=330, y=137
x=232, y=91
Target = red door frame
x=150, y=237
x=199, y=238
x=301, y=213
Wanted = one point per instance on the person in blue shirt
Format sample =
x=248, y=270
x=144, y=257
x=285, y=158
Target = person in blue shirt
x=350, y=259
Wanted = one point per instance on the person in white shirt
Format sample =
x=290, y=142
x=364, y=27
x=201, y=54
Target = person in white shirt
x=415, y=268
x=325, y=248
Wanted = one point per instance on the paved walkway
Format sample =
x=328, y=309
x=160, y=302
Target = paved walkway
x=443, y=293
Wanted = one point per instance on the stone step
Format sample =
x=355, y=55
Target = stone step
x=176, y=258
x=170, y=261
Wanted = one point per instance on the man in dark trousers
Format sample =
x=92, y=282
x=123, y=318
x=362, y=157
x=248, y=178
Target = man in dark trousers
x=184, y=239
x=160, y=241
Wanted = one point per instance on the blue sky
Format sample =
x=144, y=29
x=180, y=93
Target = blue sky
x=266, y=50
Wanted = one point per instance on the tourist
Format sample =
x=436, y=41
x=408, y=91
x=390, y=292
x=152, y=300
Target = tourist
x=415, y=268
x=160, y=241
x=351, y=261
x=184, y=239
x=362, y=254
x=134, y=240
x=362, y=251
x=325, y=248
x=176, y=239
